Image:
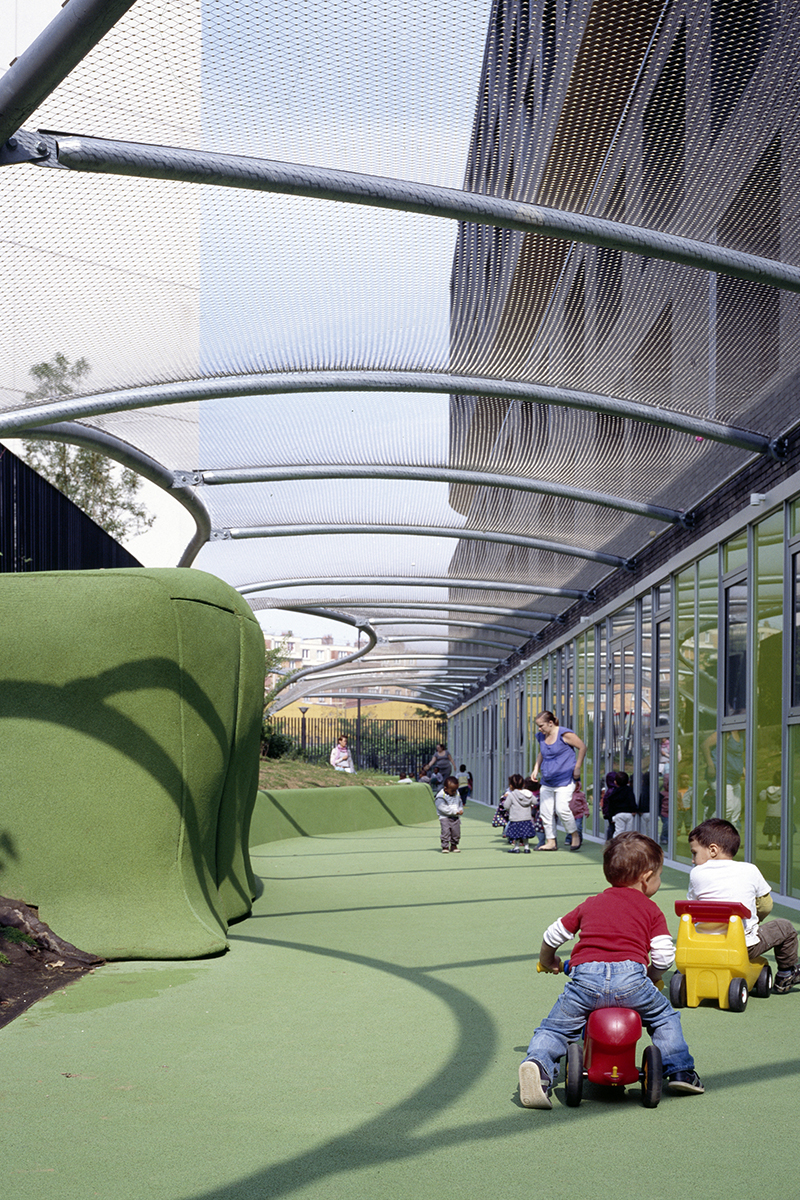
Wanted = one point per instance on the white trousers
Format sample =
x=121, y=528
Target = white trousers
x=555, y=801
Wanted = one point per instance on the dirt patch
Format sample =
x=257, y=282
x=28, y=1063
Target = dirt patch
x=34, y=961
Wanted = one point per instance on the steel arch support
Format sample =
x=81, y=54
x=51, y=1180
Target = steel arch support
x=433, y=474
x=296, y=179
x=436, y=382
x=436, y=531
x=483, y=585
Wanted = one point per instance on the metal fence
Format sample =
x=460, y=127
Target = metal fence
x=381, y=745
x=42, y=530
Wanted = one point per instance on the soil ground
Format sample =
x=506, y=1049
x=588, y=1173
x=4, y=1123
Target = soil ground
x=33, y=960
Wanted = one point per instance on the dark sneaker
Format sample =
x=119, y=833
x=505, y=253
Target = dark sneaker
x=785, y=980
x=685, y=1081
x=534, y=1086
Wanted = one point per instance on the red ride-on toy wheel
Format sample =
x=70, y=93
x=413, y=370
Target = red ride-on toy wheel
x=574, y=1081
x=652, y=1076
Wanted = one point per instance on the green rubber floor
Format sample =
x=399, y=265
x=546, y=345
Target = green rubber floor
x=361, y=1039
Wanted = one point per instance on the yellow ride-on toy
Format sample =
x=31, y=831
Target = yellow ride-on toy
x=711, y=959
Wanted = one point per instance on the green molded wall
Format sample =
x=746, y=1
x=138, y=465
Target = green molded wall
x=131, y=704
x=311, y=812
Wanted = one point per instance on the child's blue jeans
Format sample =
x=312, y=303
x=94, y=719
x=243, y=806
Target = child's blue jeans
x=609, y=985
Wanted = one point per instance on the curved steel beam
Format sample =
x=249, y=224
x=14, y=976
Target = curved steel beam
x=303, y=672
x=292, y=382
x=482, y=585
x=442, y=637
x=390, y=656
x=432, y=474
x=436, y=531
x=522, y=633
x=149, y=468
x=48, y=60
x=295, y=179
x=375, y=696
x=444, y=605
x=435, y=701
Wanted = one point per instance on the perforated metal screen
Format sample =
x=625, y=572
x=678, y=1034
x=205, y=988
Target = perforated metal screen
x=380, y=405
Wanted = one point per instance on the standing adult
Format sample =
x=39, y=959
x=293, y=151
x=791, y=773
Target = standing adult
x=561, y=753
x=341, y=758
x=442, y=763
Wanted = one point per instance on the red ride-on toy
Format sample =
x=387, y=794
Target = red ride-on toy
x=608, y=1056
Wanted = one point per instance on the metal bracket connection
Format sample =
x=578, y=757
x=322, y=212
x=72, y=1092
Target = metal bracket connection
x=779, y=448
x=220, y=535
x=690, y=518
x=27, y=146
x=187, y=479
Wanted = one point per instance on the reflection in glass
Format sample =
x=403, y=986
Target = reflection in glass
x=735, y=648
x=646, y=722
x=686, y=651
x=707, y=653
x=796, y=629
x=663, y=658
x=765, y=831
x=793, y=825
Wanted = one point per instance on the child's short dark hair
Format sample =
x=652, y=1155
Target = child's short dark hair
x=515, y=782
x=628, y=856
x=716, y=831
x=451, y=779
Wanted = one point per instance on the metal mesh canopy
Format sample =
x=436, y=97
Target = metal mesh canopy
x=432, y=314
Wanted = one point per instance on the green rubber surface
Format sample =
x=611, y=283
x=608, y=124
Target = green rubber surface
x=361, y=1038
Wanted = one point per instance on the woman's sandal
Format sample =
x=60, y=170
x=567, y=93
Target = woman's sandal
x=540, y=848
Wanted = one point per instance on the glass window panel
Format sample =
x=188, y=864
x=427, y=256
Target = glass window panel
x=707, y=668
x=734, y=553
x=686, y=650
x=735, y=649
x=588, y=735
x=767, y=698
x=663, y=642
x=646, y=722
x=602, y=709
x=793, y=822
x=733, y=770
x=794, y=523
x=796, y=629
x=622, y=622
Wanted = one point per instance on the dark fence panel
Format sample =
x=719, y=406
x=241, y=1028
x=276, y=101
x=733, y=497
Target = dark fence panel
x=41, y=530
x=381, y=745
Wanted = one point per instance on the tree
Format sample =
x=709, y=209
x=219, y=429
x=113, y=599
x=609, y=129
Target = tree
x=273, y=662
x=104, y=491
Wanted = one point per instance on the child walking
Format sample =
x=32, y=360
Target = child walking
x=449, y=807
x=517, y=803
x=621, y=931
x=715, y=876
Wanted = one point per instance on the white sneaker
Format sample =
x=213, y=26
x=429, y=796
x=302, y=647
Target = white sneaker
x=534, y=1088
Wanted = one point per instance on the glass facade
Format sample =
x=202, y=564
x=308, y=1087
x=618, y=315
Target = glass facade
x=691, y=687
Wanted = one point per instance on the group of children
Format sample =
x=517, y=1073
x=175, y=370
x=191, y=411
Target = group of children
x=624, y=947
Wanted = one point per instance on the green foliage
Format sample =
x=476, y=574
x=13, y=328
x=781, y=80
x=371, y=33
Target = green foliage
x=278, y=745
x=16, y=936
x=273, y=661
x=105, y=492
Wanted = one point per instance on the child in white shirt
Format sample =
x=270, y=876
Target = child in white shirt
x=715, y=876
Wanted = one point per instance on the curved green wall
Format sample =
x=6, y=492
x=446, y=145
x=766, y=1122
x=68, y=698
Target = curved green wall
x=131, y=708
x=310, y=812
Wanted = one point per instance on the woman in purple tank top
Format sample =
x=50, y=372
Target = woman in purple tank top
x=561, y=753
